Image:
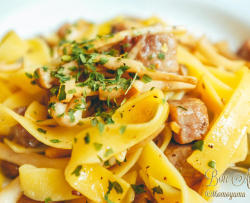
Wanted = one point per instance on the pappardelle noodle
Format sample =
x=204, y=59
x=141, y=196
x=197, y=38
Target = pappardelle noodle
x=129, y=110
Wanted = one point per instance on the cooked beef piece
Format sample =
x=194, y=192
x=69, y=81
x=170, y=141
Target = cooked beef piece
x=21, y=136
x=20, y=110
x=177, y=155
x=156, y=51
x=10, y=170
x=244, y=51
x=159, y=51
x=192, y=117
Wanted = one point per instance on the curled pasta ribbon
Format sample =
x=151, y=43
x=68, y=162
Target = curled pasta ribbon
x=228, y=130
x=156, y=170
x=140, y=121
x=41, y=183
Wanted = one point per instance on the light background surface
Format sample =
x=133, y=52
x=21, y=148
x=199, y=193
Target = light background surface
x=218, y=19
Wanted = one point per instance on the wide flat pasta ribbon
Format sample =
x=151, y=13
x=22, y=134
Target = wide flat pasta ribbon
x=140, y=118
x=227, y=132
x=42, y=183
x=138, y=122
x=155, y=164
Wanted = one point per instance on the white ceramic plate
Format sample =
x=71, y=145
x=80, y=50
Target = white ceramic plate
x=221, y=19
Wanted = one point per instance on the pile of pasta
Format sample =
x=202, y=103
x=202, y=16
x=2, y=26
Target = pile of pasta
x=113, y=156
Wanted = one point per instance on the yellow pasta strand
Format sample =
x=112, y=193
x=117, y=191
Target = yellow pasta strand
x=41, y=183
x=156, y=165
x=227, y=132
x=12, y=48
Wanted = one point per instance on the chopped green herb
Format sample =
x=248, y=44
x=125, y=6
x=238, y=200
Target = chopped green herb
x=108, y=152
x=87, y=138
x=83, y=58
x=106, y=198
x=183, y=108
x=47, y=200
x=117, y=187
x=45, y=68
x=28, y=75
x=97, y=146
x=94, y=122
x=35, y=75
x=66, y=58
x=211, y=164
x=106, y=163
x=54, y=90
x=71, y=115
x=101, y=127
x=146, y=78
x=138, y=188
x=198, y=145
x=62, y=94
x=41, y=130
x=72, y=91
x=77, y=170
x=102, y=61
x=123, y=129
x=55, y=141
x=161, y=56
x=157, y=190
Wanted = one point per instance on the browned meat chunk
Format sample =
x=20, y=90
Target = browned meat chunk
x=154, y=51
x=21, y=136
x=20, y=110
x=177, y=155
x=192, y=117
x=10, y=170
x=159, y=51
x=244, y=51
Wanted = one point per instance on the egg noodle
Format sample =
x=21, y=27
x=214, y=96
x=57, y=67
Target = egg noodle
x=86, y=113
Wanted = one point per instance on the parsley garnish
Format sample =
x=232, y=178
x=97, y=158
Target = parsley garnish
x=161, y=56
x=108, y=152
x=41, y=130
x=62, y=94
x=198, y=145
x=45, y=68
x=138, y=188
x=71, y=115
x=103, y=61
x=101, y=127
x=123, y=129
x=77, y=170
x=97, y=146
x=72, y=91
x=94, y=122
x=87, y=138
x=183, y=108
x=55, y=141
x=146, y=78
x=66, y=58
x=28, y=75
x=211, y=164
x=47, y=200
x=157, y=190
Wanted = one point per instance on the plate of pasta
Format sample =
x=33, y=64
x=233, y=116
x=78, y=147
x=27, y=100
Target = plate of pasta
x=127, y=109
